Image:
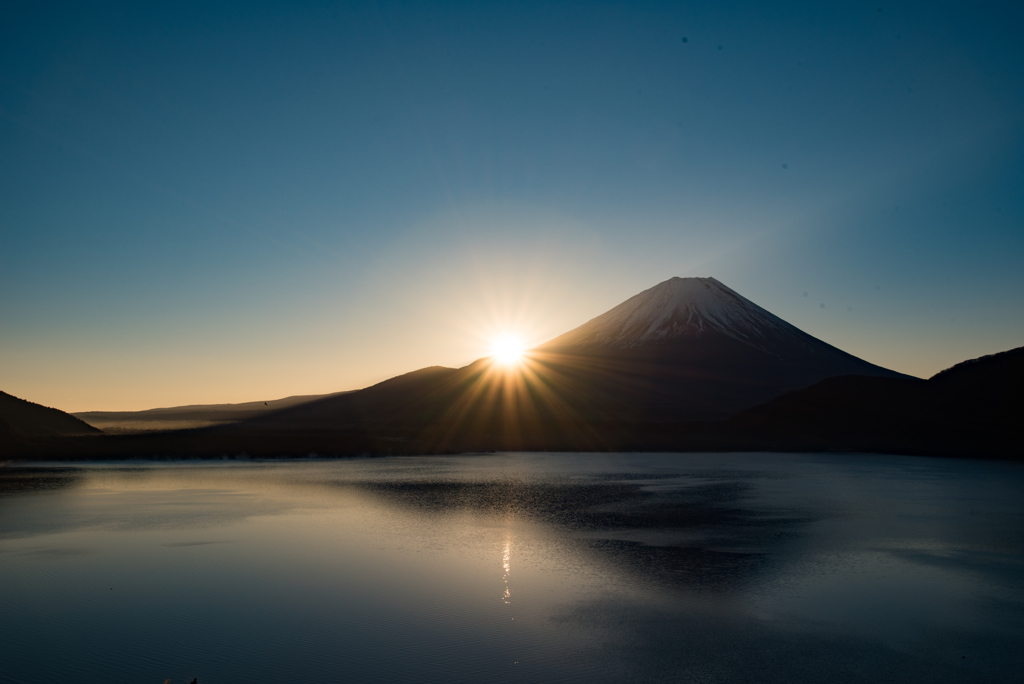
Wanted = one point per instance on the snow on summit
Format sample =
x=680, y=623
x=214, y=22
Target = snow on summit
x=678, y=307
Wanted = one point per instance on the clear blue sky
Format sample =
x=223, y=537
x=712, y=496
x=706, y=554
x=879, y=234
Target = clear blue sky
x=214, y=202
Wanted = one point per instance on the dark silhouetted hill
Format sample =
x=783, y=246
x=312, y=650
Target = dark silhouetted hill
x=974, y=407
x=24, y=423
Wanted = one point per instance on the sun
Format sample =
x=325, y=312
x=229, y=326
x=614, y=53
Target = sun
x=507, y=349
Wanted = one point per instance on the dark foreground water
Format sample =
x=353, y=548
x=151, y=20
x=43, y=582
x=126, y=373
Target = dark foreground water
x=515, y=568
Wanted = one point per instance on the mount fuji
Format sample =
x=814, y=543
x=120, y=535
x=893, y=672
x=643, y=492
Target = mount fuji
x=688, y=349
x=694, y=349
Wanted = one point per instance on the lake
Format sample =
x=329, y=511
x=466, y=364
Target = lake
x=515, y=568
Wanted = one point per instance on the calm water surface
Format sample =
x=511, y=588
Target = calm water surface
x=515, y=568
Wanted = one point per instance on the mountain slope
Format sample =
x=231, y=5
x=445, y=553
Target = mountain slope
x=414, y=397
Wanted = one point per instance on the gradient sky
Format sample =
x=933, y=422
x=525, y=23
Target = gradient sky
x=212, y=202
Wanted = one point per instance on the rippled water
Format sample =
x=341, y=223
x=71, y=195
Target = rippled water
x=515, y=568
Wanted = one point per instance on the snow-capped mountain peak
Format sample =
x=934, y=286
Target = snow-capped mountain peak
x=678, y=307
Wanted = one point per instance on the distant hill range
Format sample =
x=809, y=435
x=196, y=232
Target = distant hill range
x=189, y=417
x=686, y=365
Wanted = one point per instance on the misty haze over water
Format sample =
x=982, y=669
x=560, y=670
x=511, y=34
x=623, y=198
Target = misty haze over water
x=515, y=568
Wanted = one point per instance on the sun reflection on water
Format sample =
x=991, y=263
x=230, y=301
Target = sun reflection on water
x=506, y=566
